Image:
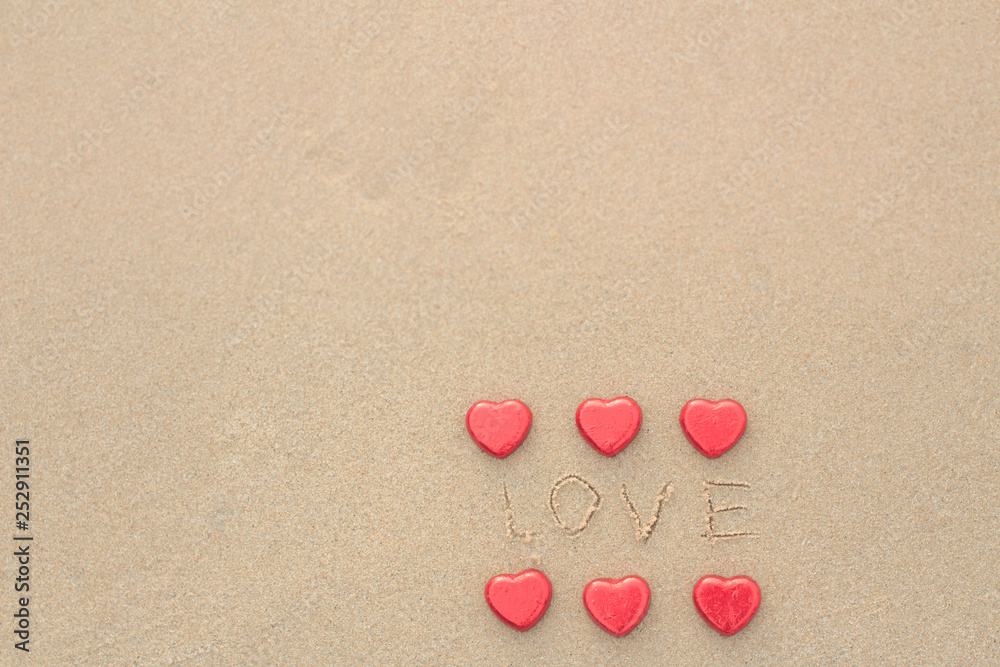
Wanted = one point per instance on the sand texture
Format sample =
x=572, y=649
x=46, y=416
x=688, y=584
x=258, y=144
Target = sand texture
x=259, y=261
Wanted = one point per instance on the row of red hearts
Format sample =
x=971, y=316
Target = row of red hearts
x=713, y=427
x=619, y=605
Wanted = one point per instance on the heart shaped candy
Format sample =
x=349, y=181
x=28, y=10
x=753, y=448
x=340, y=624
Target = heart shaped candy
x=609, y=426
x=519, y=600
x=726, y=604
x=713, y=427
x=498, y=428
x=617, y=605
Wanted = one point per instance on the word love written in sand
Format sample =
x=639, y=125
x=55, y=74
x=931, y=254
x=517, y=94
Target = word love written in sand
x=573, y=523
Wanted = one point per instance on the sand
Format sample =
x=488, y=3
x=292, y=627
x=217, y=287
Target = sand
x=258, y=263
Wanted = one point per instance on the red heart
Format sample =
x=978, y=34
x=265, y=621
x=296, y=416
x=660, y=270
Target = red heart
x=726, y=604
x=617, y=605
x=608, y=426
x=498, y=428
x=713, y=427
x=519, y=600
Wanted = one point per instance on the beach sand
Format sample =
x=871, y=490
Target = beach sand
x=258, y=263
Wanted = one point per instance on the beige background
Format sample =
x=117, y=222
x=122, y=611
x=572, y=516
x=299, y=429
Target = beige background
x=258, y=262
